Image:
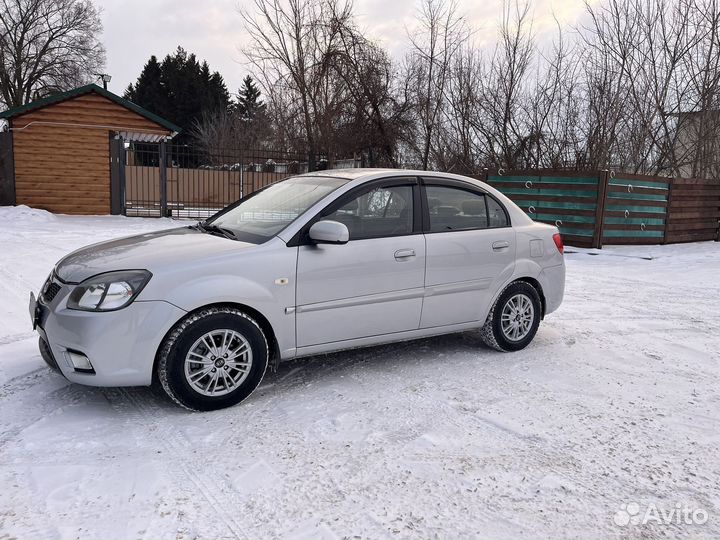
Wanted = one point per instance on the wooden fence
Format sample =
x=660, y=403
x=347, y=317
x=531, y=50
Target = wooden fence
x=694, y=210
x=600, y=207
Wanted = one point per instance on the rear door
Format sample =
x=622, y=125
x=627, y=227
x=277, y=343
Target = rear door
x=373, y=284
x=470, y=251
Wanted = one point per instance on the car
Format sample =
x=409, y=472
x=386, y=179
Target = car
x=320, y=262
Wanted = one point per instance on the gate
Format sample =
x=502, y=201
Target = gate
x=184, y=182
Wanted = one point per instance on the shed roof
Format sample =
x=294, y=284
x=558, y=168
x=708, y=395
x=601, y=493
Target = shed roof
x=87, y=89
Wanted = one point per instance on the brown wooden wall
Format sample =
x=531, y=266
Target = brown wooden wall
x=66, y=168
x=693, y=210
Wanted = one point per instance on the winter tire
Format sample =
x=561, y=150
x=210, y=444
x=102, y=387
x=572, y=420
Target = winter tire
x=212, y=359
x=514, y=318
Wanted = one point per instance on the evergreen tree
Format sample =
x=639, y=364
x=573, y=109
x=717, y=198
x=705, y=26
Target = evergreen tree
x=148, y=90
x=249, y=106
x=180, y=89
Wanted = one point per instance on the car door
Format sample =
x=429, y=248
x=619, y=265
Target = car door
x=373, y=284
x=470, y=251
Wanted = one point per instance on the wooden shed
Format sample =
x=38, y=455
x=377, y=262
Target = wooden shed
x=56, y=153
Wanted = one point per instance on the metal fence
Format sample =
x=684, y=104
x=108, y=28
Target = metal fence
x=187, y=182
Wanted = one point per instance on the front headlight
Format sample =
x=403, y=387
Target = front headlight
x=108, y=292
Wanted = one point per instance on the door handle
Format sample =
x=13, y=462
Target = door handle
x=497, y=246
x=404, y=253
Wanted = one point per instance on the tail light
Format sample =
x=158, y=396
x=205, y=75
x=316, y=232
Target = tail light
x=559, y=243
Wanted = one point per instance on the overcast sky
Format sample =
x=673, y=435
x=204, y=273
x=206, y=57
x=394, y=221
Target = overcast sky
x=213, y=30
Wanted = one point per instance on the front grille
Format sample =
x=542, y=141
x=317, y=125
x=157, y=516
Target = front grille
x=50, y=292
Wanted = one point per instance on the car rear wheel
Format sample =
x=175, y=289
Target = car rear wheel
x=514, y=318
x=212, y=359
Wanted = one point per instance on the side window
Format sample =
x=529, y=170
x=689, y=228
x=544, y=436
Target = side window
x=454, y=209
x=383, y=211
x=496, y=214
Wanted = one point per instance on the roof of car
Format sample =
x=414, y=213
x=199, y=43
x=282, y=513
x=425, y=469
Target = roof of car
x=347, y=174
x=354, y=174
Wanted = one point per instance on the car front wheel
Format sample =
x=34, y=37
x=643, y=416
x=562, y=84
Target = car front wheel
x=212, y=359
x=514, y=318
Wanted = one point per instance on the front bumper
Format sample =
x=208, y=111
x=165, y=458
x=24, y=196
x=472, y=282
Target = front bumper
x=121, y=345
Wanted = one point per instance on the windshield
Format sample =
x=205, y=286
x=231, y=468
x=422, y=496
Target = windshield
x=262, y=215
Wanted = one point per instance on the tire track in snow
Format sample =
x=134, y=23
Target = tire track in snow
x=179, y=448
x=23, y=382
x=41, y=411
x=42, y=522
x=13, y=338
x=8, y=279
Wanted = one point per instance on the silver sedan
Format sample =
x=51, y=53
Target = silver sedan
x=320, y=262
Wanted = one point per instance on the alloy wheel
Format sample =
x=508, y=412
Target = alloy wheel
x=218, y=362
x=517, y=317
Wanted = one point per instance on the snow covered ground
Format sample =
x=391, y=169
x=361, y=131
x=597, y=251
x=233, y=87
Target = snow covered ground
x=616, y=403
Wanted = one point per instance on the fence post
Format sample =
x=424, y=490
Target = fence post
x=7, y=169
x=242, y=176
x=671, y=181
x=163, y=179
x=311, y=161
x=603, y=177
x=117, y=176
x=123, y=184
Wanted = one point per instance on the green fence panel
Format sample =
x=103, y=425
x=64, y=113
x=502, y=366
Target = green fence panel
x=610, y=220
x=576, y=232
x=635, y=233
x=513, y=179
x=589, y=181
x=580, y=193
x=636, y=196
x=564, y=218
x=646, y=209
x=643, y=183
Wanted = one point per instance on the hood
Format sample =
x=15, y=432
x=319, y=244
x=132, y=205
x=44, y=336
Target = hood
x=151, y=251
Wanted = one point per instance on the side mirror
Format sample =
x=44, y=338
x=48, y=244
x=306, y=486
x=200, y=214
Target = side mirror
x=329, y=232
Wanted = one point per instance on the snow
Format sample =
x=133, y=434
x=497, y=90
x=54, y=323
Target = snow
x=615, y=402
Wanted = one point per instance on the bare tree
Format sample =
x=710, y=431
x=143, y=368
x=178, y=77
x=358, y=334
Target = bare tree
x=379, y=106
x=503, y=93
x=442, y=33
x=458, y=148
x=293, y=45
x=552, y=107
x=649, y=67
x=215, y=135
x=697, y=152
x=636, y=88
x=47, y=46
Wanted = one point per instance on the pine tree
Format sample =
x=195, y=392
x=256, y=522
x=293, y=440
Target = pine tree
x=180, y=89
x=249, y=106
x=148, y=90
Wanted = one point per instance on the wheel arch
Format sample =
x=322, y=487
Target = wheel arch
x=261, y=319
x=536, y=285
